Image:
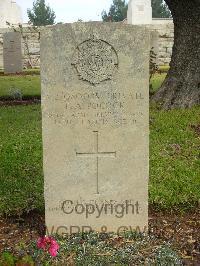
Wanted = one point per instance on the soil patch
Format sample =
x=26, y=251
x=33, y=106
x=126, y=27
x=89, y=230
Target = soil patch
x=21, y=102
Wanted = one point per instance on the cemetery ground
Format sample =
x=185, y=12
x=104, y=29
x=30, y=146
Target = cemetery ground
x=174, y=188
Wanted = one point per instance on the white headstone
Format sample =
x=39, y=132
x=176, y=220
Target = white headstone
x=9, y=12
x=139, y=12
x=95, y=105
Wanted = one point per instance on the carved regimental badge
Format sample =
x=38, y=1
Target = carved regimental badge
x=95, y=60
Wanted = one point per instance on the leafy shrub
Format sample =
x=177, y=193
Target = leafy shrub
x=16, y=94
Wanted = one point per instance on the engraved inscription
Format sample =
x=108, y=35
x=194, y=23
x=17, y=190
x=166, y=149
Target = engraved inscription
x=95, y=60
x=97, y=109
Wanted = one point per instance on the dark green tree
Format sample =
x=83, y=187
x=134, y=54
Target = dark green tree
x=41, y=14
x=160, y=9
x=117, y=11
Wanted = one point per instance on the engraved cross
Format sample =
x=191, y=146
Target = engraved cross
x=97, y=154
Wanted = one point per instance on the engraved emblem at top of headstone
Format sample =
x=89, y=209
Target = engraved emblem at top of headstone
x=95, y=60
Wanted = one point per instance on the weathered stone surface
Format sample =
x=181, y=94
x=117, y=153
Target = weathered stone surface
x=12, y=52
x=95, y=126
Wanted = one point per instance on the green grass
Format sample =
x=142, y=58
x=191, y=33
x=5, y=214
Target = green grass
x=157, y=81
x=164, y=69
x=21, y=186
x=174, y=157
x=28, y=85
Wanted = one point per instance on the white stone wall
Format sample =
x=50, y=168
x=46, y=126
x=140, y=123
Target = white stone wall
x=164, y=27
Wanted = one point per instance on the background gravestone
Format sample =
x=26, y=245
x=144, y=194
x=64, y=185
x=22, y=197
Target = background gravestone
x=139, y=12
x=10, y=12
x=95, y=106
x=12, y=52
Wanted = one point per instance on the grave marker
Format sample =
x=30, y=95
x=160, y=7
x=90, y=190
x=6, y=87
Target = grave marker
x=95, y=106
x=139, y=12
x=12, y=52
